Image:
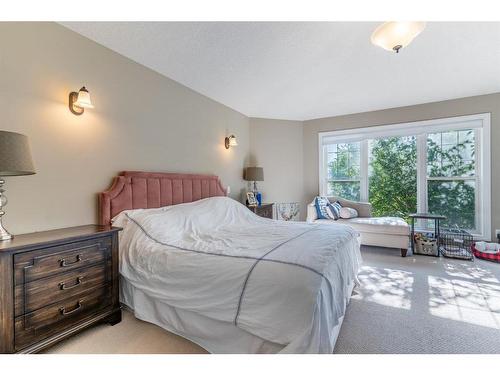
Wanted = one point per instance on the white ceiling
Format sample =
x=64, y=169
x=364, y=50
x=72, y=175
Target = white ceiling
x=301, y=70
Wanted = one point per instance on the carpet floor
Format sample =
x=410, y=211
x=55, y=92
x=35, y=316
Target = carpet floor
x=416, y=304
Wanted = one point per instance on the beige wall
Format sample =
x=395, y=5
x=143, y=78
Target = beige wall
x=449, y=108
x=145, y=121
x=141, y=121
x=276, y=145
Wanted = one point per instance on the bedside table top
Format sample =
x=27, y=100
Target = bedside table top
x=52, y=237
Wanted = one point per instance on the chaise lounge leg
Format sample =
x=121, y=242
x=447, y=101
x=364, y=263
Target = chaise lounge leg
x=403, y=252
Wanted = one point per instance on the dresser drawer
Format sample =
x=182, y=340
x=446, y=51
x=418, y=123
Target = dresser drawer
x=38, y=264
x=43, y=292
x=50, y=320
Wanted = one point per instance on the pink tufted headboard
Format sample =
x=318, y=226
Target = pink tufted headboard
x=132, y=190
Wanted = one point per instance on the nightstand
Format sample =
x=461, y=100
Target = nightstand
x=264, y=210
x=56, y=283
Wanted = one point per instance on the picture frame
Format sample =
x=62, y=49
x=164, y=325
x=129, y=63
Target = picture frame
x=251, y=199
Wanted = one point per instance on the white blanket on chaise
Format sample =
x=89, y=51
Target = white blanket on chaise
x=285, y=282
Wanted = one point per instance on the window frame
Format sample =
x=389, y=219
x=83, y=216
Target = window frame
x=481, y=123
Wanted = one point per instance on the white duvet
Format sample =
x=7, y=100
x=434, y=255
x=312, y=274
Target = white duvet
x=285, y=282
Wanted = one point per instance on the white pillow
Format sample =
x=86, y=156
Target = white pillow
x=348, y=213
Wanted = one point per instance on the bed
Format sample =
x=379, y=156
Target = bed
x=203, y=266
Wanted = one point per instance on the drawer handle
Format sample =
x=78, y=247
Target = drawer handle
x=65, y=264
x=63, y=286
x=63, y=311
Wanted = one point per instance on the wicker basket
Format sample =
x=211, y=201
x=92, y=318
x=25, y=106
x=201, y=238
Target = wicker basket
x=426, y=246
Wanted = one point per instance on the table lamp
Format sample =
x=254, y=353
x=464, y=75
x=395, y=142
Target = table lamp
x=255, y=174
x=15, y=160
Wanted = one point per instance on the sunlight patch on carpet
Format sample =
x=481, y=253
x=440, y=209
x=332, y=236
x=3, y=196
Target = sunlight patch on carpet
x=386, y=287
x=465, y=301
x=470, y=271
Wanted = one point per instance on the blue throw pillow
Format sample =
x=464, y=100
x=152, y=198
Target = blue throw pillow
x=321, y=204
x=334, y=208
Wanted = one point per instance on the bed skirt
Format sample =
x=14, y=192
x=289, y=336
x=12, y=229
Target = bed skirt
x=213, y=335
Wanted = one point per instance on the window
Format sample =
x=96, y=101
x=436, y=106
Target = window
x=452, y=177
x=343, y=170
x=392, y=181
x=439, y=166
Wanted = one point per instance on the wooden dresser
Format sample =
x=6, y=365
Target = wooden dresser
x=264, y=210
x=56, y=283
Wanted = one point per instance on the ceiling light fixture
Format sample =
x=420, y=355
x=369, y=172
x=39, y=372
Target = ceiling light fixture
x=392, y=36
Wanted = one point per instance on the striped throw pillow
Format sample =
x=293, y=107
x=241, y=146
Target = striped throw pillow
x=321, y=204
x=334, y=209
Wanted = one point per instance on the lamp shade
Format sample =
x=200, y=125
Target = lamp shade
x=84, y=99
x=393, y=36
x=254, y=174
x=15, y=155
x=232, y=141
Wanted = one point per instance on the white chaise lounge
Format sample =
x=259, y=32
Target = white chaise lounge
x=392, y=232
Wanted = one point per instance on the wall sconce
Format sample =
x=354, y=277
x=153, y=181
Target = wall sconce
x=80, y=100
x=230, y=141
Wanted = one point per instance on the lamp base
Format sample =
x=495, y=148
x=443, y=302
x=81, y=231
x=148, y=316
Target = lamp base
x=4, y=233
